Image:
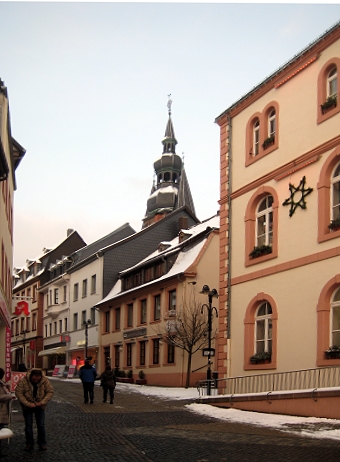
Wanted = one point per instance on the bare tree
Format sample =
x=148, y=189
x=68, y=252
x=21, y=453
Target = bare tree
x=188, y=331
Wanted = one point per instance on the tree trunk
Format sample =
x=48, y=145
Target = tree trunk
x=188, y=370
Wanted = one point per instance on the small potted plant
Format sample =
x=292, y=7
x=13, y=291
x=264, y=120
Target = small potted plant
x=260, y=250
x=333, y=352
x=268, y=141
x=141, y=378
x=261, y=358
x=334, y=224
x=331, y=101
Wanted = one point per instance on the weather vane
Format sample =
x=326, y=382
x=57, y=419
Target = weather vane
x=169, y=104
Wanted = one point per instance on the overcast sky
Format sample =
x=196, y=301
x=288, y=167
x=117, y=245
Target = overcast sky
x=88, y=86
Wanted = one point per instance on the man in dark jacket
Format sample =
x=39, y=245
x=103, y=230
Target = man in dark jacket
x=87, y=375
x=34, y=391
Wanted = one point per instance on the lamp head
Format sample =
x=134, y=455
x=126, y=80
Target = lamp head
x=205, y=290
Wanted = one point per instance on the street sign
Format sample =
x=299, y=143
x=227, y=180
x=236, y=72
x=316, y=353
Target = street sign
x=208, y=351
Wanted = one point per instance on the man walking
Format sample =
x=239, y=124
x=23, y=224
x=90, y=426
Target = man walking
x=34, y=392
x=87, y=375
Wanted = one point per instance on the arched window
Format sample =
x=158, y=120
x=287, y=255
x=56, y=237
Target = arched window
x=335, y=319
x=260, y=333
x=335, y=196
x=256, y=137
x=332, y=83
x=167, y=176
x=263, y=329
x=328, y=90
x=271, y=123
x=329, y=198
x=264, y=222
x=261, y=226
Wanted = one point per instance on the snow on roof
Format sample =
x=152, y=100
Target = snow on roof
x=183, y=261
x=213, y=222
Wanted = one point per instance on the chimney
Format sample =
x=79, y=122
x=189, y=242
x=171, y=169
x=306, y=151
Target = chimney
x=69, y=231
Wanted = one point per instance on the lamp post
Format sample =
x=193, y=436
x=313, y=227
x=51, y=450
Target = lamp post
x=86, y=325
x=211, y=294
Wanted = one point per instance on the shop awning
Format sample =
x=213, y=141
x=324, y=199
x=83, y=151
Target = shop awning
x=53, y=351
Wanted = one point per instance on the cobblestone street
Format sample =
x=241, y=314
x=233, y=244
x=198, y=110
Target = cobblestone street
x=141, y=428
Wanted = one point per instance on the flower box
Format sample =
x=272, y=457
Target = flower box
x=125, y=380
x=334, y=224
x=261, y=358
x=329, y=103
x=259, y=251
x=268, y=142
x=333, y=353
x=140, y=381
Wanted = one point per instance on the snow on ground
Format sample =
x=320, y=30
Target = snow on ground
x=305, y=426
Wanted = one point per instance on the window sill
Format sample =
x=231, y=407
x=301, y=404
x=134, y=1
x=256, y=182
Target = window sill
x=263, y=152
x=266, y=366
x=254, y=261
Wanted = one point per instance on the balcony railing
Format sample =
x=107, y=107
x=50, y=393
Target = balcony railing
x=324, y=377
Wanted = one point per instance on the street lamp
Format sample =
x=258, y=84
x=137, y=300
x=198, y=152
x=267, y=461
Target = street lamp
x=211, y=294
x=86, y=325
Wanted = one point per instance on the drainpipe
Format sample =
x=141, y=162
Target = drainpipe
x=229, y=241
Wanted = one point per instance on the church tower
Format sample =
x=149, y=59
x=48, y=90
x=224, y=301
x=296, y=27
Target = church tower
x=172, y=190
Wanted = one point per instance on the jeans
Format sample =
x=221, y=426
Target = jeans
x=40, y=421
x=88, y=390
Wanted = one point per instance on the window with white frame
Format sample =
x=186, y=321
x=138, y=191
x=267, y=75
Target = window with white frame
x=56, y=296
x=256, y=137
x=130, y=315
x=75, y=321
x=335, y=196
x=264, y=222
x=263, y=328
x=84, y=288
x=332, y=83
x=335, y=319
x=75, y=292
x=143, y=311
x=93, y=284
x=271, y=123
x=157, y=308
x=65, y=293
x=172, y=300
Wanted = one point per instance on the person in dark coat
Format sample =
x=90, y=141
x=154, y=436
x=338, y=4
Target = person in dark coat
x=34, y=391
x=108, y=382
x=88, y=375
x=5, y=398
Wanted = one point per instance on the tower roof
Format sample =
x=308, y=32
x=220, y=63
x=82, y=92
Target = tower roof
x=171, y=190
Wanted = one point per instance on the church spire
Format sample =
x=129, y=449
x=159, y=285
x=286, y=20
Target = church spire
x=169, y=141
x=171, y=190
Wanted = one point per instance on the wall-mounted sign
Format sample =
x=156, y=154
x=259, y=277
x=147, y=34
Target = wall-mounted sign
x=22, y=307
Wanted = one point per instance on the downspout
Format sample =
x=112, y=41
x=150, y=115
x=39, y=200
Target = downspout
x=229, y=241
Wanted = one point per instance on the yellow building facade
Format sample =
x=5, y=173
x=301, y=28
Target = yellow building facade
x=280, y=203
